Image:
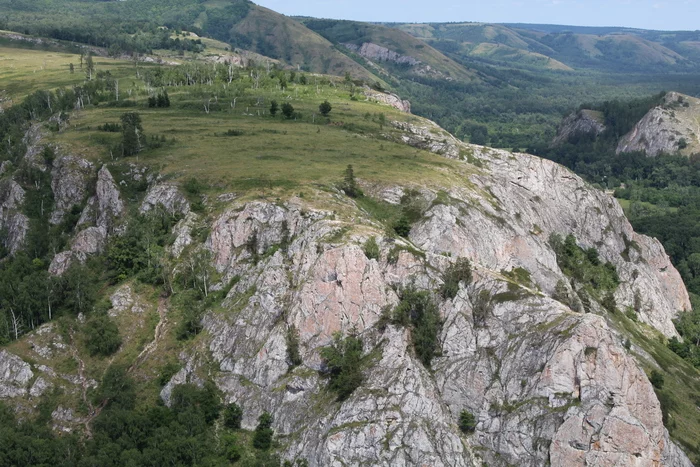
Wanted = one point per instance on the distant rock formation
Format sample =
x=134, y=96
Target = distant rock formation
x=582, y=123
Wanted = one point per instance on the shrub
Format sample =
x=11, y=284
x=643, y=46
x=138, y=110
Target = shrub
x=133, y=138
x=233, y=415
x=371, y=248
x=609, y=302
x=188, y=398
x=167, y=372
x=116, y=389
x=467, y=422
x=461, y=271
x=262, y=437
x=101, y=336
x=325, y=108
x=656, y=379
x=192, y=311
x=584, y=266
x=402, y=227
x=288, y=110
x=293, y=354
x=343, y=365
x=274, y=108
x=418, y=311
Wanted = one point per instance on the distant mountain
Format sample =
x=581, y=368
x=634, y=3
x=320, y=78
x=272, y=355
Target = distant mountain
x=389, y=49
x=563, y=47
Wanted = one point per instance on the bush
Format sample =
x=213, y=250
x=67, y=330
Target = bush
x=371, y=248
x=467, y=422
x=461, y=271
x=167, y=372
x=288, y=110
x=402, y=227
x=418, y=311
x=343, y=365
x=325, y=108
x=191, y=323
x=584, y=266
x=262, y=437
x=274, y=108
x=188, y=398
x=133, y=138
x=117, y=388
x=101, y=336
x=293, y=354
x=656, y=379
x=233, y=415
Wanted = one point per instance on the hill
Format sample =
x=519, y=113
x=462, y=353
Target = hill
x=239, y=23
x=385, y=46
x=193, y=275
x=563, y=47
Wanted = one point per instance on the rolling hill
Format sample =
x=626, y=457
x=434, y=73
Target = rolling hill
x=388, y=47
x=609, y=49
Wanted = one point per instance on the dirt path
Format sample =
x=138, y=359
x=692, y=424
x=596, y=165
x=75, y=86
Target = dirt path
x=92, y=412
x=157, y=335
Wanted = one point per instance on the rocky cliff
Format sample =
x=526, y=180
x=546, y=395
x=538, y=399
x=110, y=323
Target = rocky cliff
x=547, y=381
x=584, y=123
x=671, y=127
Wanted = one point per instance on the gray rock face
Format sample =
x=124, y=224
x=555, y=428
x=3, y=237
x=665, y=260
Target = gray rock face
x=168, y=197
x=583, y=122
x=15, y=375
x=103, y=211
x=389, y=98
x=11, y=217
x=545, y=384
x=109, y=203
x=70, y=179
x=663, y=127
x=123, y=300
x=430, y=137
x=378, y=53
x=524, y=200
x=60, y=263
x=183, y=234
x=33, y=141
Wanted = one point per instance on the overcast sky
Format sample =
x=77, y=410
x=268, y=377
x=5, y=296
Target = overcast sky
x=646, y=14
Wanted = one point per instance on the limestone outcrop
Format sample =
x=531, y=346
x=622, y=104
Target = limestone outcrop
x=12, y=220
x=546, y=384
x=70, y=182
x=379, y=53
x=584, y=123
x=668, y=128
x=98, y=220
x=167, y=197
x=389, y=98
x=15, y=375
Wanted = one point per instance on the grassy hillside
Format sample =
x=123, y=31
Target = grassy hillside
x=274, y=35
x=351, y=32
x=609, y=49
x=137, y=27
